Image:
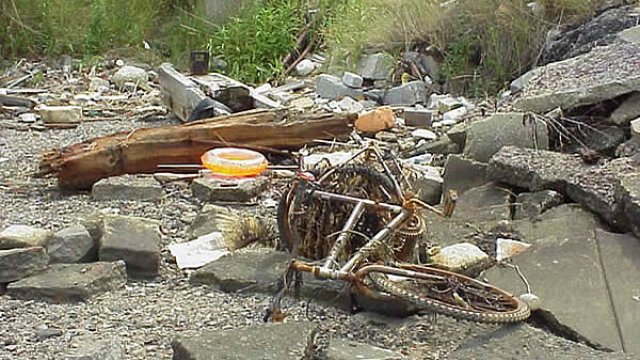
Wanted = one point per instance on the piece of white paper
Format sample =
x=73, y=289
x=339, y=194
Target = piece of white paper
x=199, y=252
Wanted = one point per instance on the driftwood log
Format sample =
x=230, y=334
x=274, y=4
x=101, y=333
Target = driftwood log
x=79, y=166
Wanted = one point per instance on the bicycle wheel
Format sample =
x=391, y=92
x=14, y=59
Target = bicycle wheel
x=446, y=293
x=309, y=225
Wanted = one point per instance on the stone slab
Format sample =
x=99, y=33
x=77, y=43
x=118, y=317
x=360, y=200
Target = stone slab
x=534, y=169
x=18, y=236
x=210, y=189
x=134, y=240
x=411, y=93
x=462, y=174
x=628, y=110
x=524, y=342
x=71, y=282
x=279, y=341
x=628, y=194
x=620, y=256
x=16, y=264
x=73, y=244
x=485, y=203
x=127, y=187
x=331, y=87
x=564, y=270
x=529, y=205
x=486, y=137
x=340, y=349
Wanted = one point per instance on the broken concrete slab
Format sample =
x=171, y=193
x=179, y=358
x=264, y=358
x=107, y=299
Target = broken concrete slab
x=409, y=94
x=582, y=80
x=620, y=255
x=209, y=189
x=19, y=236
x=73, y=244
x=485, y=203
x=127, y=187
x=278, y=341
x=486, y=137
x=462, y=174
x=534, y=169
x=628, y=194
x=418, y=117
x=524, y=342
x=628, y=110
x=529, y=205
x=340, y=349
x=563, y=268
x=378, y=66
x=331, y=87
x=595, y=189
x=71, y=282
x=16, y=264
x=134, y=240
x=61, y=114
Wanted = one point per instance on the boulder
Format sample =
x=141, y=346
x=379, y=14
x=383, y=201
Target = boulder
x=277, y=341
x=134, y=240
x=486, y=137
x=72, y=245
x=462, y=174
x=331, y=87
x=378, y=66
x=127, y=187
x=534, y=169
x=71, y=282
x=340, y=349
x=18, y=236
x=210, y=189
x=16, y=264
x=529, y=205
x=411, y=93
x=628, y=110
x=599, y=75
x=130, y=74
x=595, y=189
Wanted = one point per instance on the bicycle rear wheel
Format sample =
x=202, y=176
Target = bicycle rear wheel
x=446, y=293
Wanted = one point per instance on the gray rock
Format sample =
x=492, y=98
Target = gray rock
x=72, y=245
x=599, y=75
x=352, y=80
x=127, y=187
x=458, y=134
x=18, y=236
x=531, y=205
x=411, y=93
x=418, y=117
x=635, y=129
x=521, y=82
x=485, y=203
x=595, y=31
x=134, y=240
x=91, y=348
x=377, y=66
x=443, y=146
x=71, y=282
x=534, y=169
x=487, y=137
x=595, y=189
x=61, y=114
x=428, y=187
x=628, y=194
x=340, y=349
x=603, y=140
x=280, y=341
x=524, y=342
x=47, y=333
x=130, y=74
x=236, y=190
x=207, y=220
x=628, y=110
x=462, y=174
x=16, y=264
x=628, y=148
x=331, y=87
x=564, y=249
x=464, y=258
x=630, y=35
x=98, y=85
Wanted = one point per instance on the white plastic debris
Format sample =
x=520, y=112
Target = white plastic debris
x=507, y=248
x=199, y=252
x=424, y=134
x=532, y=300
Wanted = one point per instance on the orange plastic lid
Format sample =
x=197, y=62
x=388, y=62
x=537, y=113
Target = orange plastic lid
x=234, y=162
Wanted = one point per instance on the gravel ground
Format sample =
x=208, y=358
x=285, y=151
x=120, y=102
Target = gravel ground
x=145, y=316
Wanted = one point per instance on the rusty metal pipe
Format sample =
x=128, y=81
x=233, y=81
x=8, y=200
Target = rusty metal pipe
x=331, y=196
x=344, y=236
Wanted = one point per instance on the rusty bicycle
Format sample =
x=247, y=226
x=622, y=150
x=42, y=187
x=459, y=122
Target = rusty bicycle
x=355, y=223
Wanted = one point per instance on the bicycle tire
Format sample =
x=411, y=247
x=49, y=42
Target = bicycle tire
x=515, y=310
